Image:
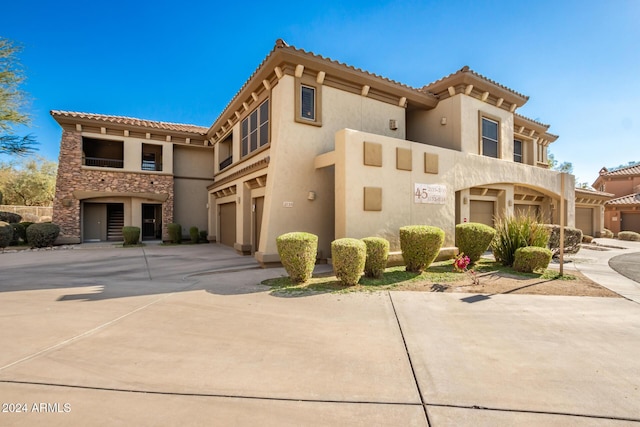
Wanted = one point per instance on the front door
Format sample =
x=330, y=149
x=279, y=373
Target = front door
x=151, y=221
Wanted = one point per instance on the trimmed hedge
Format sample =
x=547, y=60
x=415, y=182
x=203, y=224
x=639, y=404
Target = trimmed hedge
x=349, y=257
x=473, y=239
x=513, y=232
x=629, y=235
x=203, y=236
x=607, y=233
x=42, y=235
x=420, y=245
x=194, y=234
x=6, y=234
x=175, y=232
x=531, y=258
x=377, y=255
x=10, y=217
x=131, y=235
x=572, y=239
x=297, y=253
x=587, y=239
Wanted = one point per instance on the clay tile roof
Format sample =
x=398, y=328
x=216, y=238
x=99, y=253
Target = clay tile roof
x=629, y=199
x=628, y=170
x=531, y=120
x=469, y=71
x=130, y=121
x=594, y=192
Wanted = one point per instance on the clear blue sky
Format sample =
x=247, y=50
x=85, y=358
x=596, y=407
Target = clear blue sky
x=578, y=61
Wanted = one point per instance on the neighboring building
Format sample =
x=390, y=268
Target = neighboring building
x=311, y=144
x=623, y=212
x=116, y=171
x=590, y=208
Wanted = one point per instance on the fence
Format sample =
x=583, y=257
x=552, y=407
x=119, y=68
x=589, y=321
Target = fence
x=30, y=213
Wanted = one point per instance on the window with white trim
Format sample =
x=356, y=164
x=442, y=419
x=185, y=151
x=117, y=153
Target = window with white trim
x=517, y=151
x=255, y=129
x=490, y=141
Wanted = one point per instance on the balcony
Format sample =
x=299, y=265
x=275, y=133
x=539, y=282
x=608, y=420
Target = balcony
x=226, y=162
x=103, y=162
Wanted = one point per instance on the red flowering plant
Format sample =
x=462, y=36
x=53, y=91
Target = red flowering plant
x=460, y=265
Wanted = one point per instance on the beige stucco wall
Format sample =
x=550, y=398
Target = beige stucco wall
x=291, y=171
x=457, y=171
x=426, y=126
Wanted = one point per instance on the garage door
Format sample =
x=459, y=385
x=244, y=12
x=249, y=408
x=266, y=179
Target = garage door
x=482, y=212
x=228, y=224
x=527, y=210
x=630, y=221
x=584, y=220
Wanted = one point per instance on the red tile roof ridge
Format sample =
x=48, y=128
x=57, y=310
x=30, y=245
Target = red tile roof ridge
x=531, y=120
x=134, y=121
x=629, y=199
x=625, y=170
x=467, y=69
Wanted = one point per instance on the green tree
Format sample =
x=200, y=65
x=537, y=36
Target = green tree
x=30, y=182
x=12, y=102
x=560, y=167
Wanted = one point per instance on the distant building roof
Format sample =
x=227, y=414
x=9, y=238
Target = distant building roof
x=627, y=170
x=128, y=121
x=630, y=199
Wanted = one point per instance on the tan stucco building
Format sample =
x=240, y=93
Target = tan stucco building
x=622, y=213
x=311, y=144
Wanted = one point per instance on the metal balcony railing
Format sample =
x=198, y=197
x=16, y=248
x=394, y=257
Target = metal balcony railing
x=103, y=163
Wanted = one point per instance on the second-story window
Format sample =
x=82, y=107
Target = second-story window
x=489, y=138
x=255, y=129
x=517, y=151
x=151, y=157
x=308, y=102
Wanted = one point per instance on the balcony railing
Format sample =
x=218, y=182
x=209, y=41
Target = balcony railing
x=103, y=163
x=226, y=162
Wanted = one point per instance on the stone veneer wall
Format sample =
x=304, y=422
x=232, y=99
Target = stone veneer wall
x=72, y=177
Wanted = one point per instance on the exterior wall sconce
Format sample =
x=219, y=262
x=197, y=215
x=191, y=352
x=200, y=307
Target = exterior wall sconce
x=510, y=203
x=311, y=195
x=443, y=121
x=393, y=124
x=464, y=201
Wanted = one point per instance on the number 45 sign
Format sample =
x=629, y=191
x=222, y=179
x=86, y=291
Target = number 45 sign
x=430, y=193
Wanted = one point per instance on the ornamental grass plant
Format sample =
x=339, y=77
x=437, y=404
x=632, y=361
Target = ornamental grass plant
x=514, y=232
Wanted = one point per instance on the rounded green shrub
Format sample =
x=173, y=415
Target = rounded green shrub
x=175, y=232
x=349, y=257
x=513, y=232
x=473, y=239
x=572, y=239
x=42, y=234
x=10, y=217
x=297, y=253
x=377, y=255
x=6, y=234
x=531, y=258
x=420, y=245
x=131, y=235
x=607, y=233
x=629, y=235
x=25, y=225
x=587, y=239
x=203, y=236
x=194, y=234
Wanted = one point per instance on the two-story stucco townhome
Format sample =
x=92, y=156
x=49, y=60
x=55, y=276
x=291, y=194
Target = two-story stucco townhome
x=311, y=144
x=622, y=213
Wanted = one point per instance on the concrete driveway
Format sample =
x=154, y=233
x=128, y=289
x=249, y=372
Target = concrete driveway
x=167, y=335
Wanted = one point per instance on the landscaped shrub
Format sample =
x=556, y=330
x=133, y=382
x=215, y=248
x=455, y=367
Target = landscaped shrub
x=10, y=217
x=607, y=233
x=420, y=245
x=6, y=234
x=531, y=258
x=572, y=239
x=25, y=225
x=629, y=235
x=587, y=239
x=348, y=257
x=42, y=235
x=203, y=236
x=377, y=254
x=175, y=232
x=15, y=239
x=131, y=235
x=473, y=239
x=513, y=232
x=194, y=235
x=297, y=253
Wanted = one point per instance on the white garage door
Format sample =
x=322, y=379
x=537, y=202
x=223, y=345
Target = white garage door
x=482, y=211
x=584, y=220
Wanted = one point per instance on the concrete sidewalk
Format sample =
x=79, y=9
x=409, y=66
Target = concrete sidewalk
x=131, y=336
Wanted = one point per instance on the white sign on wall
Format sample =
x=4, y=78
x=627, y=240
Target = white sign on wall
x=430, y=193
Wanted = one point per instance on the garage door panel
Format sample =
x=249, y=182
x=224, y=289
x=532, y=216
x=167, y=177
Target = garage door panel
x=584, y=220
x=482, y=211
x=631, y=221
x=228, y=224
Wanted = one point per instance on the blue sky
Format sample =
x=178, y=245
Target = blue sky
x=578, y=61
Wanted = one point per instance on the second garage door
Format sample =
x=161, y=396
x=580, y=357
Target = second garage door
x=584, y=220
x=482, y=211
x=228, y=224
x=631, y=221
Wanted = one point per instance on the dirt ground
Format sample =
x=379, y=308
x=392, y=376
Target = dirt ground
x=504, y=283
